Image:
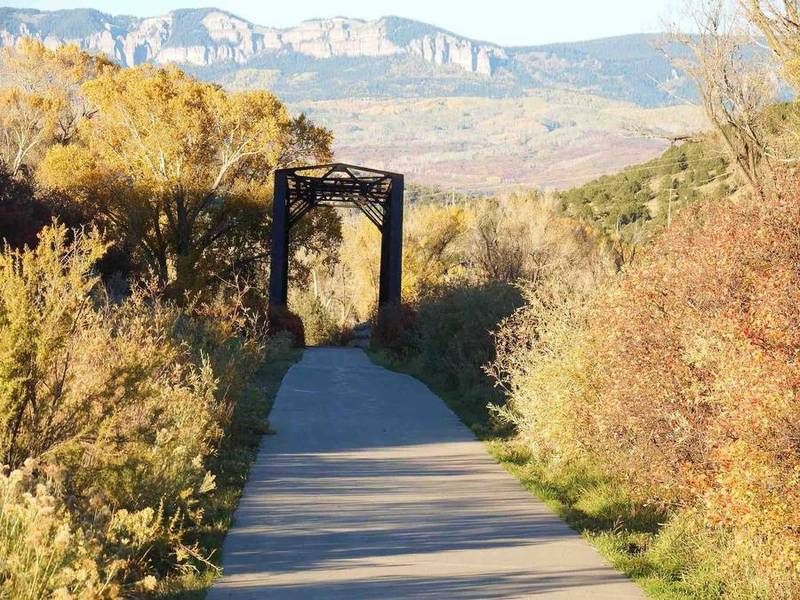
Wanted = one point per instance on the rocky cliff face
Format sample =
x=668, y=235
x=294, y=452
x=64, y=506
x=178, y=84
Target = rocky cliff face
x=207, y=37
x=335, y=58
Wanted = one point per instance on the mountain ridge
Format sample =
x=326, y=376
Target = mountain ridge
x=328, y=58
x=209, y=36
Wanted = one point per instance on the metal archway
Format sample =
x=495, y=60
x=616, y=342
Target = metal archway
x=378, y=194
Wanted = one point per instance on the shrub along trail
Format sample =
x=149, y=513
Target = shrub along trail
x=372, y=488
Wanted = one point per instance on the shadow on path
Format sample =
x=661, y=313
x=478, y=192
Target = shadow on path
x=372, y=488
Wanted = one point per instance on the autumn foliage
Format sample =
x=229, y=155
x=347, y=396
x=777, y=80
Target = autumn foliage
x=682, y=380
x=41, y=102
x=671, y=371
x=179, y=169
x=109, y=412
x=135, y=213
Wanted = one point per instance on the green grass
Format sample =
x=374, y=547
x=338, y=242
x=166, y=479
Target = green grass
x=630, y=536
x=231, y=466
x=627, y=534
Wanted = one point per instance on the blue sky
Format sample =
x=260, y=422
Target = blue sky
x=505, y=22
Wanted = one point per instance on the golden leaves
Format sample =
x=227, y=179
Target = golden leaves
x=40, y=98
x=177, y=165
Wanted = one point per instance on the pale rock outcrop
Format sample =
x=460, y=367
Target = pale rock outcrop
x=446, y=49
x=220, y=37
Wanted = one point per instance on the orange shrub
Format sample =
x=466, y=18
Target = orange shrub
x=699, y=350
x=682, y=378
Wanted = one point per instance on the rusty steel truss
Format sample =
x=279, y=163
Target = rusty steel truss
x=378, y=194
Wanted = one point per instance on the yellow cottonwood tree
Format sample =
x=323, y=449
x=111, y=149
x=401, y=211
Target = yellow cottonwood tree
x=40, y=98
x=180, y=168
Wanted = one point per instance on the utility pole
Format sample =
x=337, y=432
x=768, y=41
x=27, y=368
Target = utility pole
x=669, y=206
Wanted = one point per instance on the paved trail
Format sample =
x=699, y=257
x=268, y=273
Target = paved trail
x=372, y=488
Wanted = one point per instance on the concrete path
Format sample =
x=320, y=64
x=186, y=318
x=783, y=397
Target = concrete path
x=372, y=488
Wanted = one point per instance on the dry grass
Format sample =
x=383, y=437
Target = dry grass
x=548, y=139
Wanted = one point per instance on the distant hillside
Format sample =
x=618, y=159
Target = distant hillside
x=630, y=68
x=351, y=58
x=551, y=139
x=648, y=195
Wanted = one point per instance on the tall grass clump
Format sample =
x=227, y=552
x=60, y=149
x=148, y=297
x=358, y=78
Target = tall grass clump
x=452, y=342
x=45, y=553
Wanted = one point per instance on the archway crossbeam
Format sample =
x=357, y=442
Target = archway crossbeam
x=370, y=195
x=378, y=194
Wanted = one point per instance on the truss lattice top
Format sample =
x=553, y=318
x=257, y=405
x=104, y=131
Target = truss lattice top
x=339, y=185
